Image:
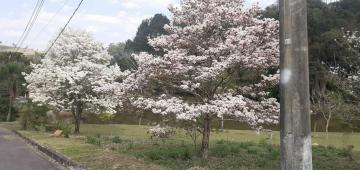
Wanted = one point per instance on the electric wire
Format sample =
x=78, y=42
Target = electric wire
x=51, y=19
x=63, y=29
x=30, y=25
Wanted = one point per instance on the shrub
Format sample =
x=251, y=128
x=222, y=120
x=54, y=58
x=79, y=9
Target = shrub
x=32, y=115
x=223, y=148
x=348, y=152
x=65, y=127
x=93, y=140
x=50, y=128
x=116, y=139
x=4, y=108
x=105, y=117
x=164, y=153
x=159, y=132
x=130, y=145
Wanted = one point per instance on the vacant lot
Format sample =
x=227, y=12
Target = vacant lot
x=130, y=147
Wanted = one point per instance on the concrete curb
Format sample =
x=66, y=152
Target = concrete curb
x=59, y=158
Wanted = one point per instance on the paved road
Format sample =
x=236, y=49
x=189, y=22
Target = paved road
x=15, y=154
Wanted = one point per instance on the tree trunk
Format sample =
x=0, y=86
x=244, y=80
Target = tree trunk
x=140, y=118
x=327, y=125
x=222, y=123
x=206, y=138
x=315, y=126
x=8, y=118
x=78, y=118
x=327, y=128
x=77, y=124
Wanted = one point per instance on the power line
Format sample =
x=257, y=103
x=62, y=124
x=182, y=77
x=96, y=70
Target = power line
x=51, y=19
x=63, y=29
x=30, y=23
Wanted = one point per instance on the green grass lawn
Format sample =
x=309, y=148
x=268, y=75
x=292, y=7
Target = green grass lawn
x=129, y=147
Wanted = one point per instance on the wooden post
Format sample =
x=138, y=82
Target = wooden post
x=295, y=134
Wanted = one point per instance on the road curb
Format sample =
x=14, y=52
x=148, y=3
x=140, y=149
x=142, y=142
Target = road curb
x=59, y=158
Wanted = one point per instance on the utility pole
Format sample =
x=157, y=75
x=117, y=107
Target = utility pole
x=295, y=120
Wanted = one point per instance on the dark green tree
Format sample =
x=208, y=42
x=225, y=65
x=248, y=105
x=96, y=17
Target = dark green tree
x=327, y=24
x=12, y=65
x=151, y=27
x=121, y=56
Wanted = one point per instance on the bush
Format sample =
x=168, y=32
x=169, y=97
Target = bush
x=93, y=140
x=32, y=115
x=348, y=152
x=4, y=108
x=164, y=153
x=65, y=127
x=116, y=139
x=105, y=117
x=159, y=132
x=50, y=128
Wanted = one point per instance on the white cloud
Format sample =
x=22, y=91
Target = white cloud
x=118, y=24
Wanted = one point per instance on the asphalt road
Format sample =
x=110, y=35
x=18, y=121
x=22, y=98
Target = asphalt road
x=15, y=154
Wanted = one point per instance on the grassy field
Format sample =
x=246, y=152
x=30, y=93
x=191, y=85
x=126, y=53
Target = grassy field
x=129, y=147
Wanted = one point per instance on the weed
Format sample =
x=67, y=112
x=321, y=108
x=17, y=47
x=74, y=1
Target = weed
x=93, y=140
x=116, y=139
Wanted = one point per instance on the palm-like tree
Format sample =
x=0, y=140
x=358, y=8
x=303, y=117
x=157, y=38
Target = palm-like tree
x=12, y=78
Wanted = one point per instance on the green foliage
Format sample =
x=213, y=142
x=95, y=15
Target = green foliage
x=163, y=153
x=327, y=25
x=224, y=154
x=224, y=148
x=4, y=108
x=121, y=56
x=32, y=115
x=12, y=65
x=105, y=117
x=116, y=139
x=8, y=57
x=151, y=27
x=93, y=140
x=49, y=127
x=349, y=152
x=65, y=127
x=234, y=155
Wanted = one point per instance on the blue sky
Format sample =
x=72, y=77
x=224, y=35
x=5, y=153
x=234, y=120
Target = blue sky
x=109, y=20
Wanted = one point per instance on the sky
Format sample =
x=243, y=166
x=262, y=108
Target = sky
x=110, y=21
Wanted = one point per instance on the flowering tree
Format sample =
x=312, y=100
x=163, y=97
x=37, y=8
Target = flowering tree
x=208, y=41
x=343, y=100
x=354, y=76
x=354, y=40
x=75, y=76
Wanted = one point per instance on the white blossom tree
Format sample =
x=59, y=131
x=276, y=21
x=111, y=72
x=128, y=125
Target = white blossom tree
x=75, y=76
x=208, y=41
x=354, y=77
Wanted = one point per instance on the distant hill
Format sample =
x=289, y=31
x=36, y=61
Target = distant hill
x=25, y=51
x=4, y=47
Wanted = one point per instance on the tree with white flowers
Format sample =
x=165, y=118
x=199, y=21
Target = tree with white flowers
x=354, y=41
x=208, y=42
x=75, y=76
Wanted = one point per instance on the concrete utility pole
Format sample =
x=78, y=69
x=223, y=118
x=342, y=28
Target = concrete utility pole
x=295, y=98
